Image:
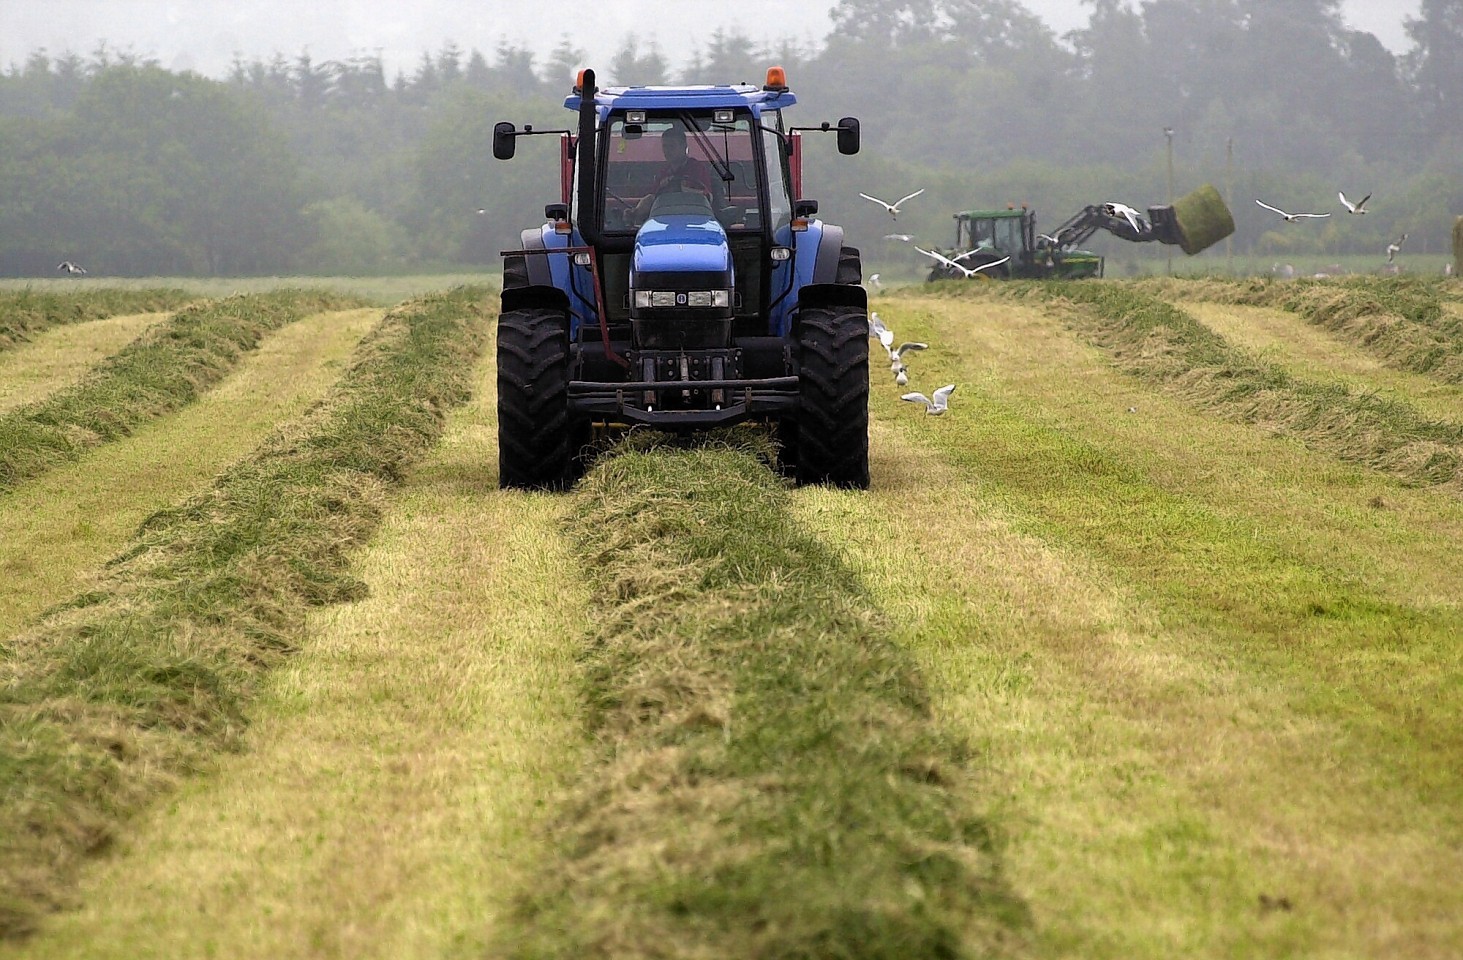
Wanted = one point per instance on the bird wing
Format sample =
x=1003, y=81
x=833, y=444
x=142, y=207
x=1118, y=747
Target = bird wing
x=993, y=263
x=1128, y=213
x=910, y=346
x=1362, y=202
x=886, y=337
x=940, y=257
x=910, y=197
x=968, y=253
x=918, y=398
x=876, y=200
x=1275, y=209
x=1316, y=216
x=1347, y=203
x=942, y=395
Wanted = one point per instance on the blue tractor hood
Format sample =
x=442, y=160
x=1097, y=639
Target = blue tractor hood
x=682, y=243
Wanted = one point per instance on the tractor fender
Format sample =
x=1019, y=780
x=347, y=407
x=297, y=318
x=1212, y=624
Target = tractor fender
x=830, y=245
x=535, y=295
x=833, y=295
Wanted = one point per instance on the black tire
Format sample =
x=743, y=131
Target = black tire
x=850, y=267
x=537, y=442
x=832, y=444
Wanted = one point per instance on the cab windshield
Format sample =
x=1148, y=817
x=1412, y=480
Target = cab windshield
x=683, y=162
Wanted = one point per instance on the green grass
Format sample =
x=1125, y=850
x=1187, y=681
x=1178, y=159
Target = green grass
x=1158, y=341
x=1209, y=666
x=1401, y=320
x=24, y=312
x=160, y=372
x=384, y=290
x=770, y=781
x=114, y=696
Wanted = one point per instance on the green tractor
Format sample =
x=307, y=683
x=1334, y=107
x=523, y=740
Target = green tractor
x=1004, y=244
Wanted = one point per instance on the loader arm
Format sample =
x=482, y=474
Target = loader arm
x=1194, y=222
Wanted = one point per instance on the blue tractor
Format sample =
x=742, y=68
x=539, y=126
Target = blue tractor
x=682, y=283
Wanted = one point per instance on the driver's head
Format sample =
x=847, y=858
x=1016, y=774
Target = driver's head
x=673, y=144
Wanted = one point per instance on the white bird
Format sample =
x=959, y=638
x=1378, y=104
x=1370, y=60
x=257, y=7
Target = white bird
x=896, y=356
x=901, y=237
x=880, y=332
x=902, y=377
x=1049, y=239
x=893, y=208
x=968, y=271
x=66, y=266
x=1291, y=217
x=1355, y=208
x=934, y=407
x=1125, y=211
x=875, y=282
x=1395, y=247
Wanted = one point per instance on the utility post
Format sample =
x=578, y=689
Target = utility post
x=1168, y=135
x=1229, y=198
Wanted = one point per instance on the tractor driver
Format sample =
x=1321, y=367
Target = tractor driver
x=680, y=174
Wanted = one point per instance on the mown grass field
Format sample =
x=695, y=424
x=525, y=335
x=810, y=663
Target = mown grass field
x=1150, y=647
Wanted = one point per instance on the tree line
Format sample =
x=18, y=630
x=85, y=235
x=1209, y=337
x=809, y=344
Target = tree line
x=291, y=165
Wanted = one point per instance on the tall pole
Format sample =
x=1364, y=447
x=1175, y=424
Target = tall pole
x=1229, y=198
x=1168, y=135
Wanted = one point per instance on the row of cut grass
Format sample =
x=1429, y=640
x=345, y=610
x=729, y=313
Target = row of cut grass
x=1310, y=352
x=26, y=312
x=56, y=530
x=64, y=356
x=382, y=800
x=1160, y=342
x=108, y=700
x=1224, y=669
x=160, y=372
x=769, y=780
x=1402, y=320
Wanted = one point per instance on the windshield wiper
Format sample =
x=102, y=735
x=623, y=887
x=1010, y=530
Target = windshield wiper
x=723, y=169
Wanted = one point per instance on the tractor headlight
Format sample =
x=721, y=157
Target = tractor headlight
x=682, y=298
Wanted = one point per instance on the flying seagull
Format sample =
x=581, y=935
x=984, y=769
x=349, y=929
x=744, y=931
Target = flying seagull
x=901, y=237
x=1125, y=211
x=1395, y=247
x=875, y=282
x=893, y=208
x=938, y=405
x=1291, y=217
x=968, y=271
x=896, y=356
x=881, y=333
x=1356, y=207
x=66, y=266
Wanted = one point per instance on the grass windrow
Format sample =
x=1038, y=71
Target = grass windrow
x=112, y=697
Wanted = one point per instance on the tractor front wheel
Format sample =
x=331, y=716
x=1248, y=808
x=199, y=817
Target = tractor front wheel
x=832, y=434
x=536, y=435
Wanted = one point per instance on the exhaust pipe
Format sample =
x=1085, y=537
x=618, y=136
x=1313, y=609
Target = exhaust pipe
x=588, y=120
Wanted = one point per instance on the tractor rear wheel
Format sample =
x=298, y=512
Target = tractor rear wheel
x=537, y=447
x=832, y=436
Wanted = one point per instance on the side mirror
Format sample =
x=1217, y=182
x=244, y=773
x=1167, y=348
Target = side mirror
x=803, y=209
x=505, y=140
x=848, y=136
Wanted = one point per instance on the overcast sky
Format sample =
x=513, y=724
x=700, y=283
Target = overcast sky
x=205, y=35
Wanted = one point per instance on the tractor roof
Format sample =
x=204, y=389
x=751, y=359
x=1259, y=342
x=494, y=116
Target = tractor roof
x=705, y=97
x=990, y=214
